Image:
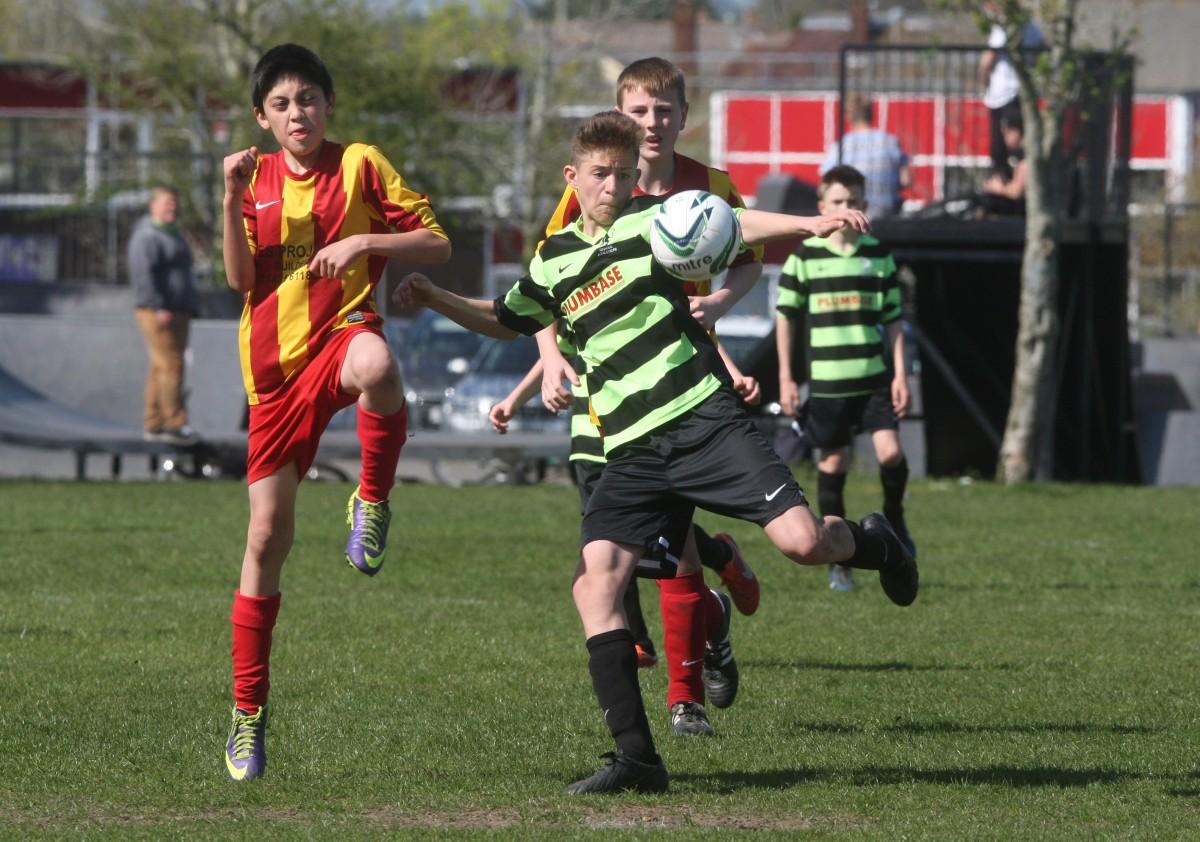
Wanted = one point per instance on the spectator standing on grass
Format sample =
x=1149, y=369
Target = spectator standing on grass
x=1002, y=94
x=164, y=290
x=876, y=154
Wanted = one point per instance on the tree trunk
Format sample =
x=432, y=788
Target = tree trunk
x=1027, y=451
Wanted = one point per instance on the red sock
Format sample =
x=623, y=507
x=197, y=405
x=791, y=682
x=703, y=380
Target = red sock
x=253, y=619
x=382, y=437
x=682, y=603
x=714, y=615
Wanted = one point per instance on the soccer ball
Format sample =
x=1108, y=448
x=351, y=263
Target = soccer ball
x=695, y=235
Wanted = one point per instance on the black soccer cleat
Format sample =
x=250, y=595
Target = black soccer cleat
x=620, y=774
x=901, y=529
x=898, y=576
x=720, y=674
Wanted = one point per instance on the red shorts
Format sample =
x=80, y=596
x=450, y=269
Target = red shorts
x=288, y=429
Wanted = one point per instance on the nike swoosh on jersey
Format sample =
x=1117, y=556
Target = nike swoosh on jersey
x=772, y=495
x=693, y=662
x=261, y=205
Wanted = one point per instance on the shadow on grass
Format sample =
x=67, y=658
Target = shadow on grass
x=880, y=666
x=1187, y=792
x=726, y=783
x=945, y=727
x=1011, y=776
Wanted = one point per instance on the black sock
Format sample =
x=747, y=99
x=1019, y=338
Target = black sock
x=870, y=553
x=894, y=480
x=829, y=494
x=612, y=662
x=633, y=612
x=714, y=554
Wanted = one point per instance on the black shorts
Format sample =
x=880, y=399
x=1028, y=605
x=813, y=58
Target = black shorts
x=587, y=475
x=832, y=423
x=712, y=457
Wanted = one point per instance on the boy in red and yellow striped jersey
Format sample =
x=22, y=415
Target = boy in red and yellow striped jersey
x=308, y=230
x=700, y=662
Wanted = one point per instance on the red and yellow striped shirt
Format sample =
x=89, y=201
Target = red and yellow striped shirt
x=690, y=174
x=289, y=217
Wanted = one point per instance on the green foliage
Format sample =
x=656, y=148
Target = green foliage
x=1042, y=687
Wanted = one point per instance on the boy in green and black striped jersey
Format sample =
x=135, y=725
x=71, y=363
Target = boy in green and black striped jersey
x=846, y=285
x=674, y=436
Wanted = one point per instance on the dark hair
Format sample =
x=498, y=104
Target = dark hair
x=608, y=131
x=288, y=60
x=842, y=174
x=858, y=107
x=655, y=75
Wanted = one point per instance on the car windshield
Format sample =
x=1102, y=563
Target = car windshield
x=434, y=340
x=515, y=357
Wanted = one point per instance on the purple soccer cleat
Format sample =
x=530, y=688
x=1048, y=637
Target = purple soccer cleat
x=246, y=751
x=368, y=524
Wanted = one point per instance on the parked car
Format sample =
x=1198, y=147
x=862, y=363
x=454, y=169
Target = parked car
x=497, y=369
x=434, y=353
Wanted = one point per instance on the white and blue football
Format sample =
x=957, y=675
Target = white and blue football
x=695, y=235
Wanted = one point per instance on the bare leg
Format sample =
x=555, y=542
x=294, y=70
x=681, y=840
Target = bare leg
x=269, y=536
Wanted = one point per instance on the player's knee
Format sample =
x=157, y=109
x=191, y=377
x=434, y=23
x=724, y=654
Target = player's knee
x=805, y=546
x=834, y=462
x=269, y=534
x=889, y=455
x=376, y=369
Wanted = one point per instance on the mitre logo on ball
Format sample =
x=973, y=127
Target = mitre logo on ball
x=695, y=234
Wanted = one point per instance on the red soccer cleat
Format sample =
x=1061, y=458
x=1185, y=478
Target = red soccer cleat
x=739, y=579
x=645, y=655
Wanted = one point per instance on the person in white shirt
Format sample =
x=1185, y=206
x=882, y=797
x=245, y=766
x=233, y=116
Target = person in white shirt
x=1002, y=88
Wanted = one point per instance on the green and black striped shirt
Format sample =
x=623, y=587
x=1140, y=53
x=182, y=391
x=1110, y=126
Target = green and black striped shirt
x=586, y=443
x=646, y=360
x=847, y=298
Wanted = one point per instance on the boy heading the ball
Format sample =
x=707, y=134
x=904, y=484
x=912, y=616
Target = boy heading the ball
x=307, y=232
x=674, y=437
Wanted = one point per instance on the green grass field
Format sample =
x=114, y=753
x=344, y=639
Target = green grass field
x=1044, y=685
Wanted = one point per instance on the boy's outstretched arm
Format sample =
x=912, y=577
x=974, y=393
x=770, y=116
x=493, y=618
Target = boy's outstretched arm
x=475, y=314
x=504, y=411
x=763, y=226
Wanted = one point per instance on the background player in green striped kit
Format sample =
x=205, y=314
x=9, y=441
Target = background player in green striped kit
x=674, y=437
x=846, y=284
